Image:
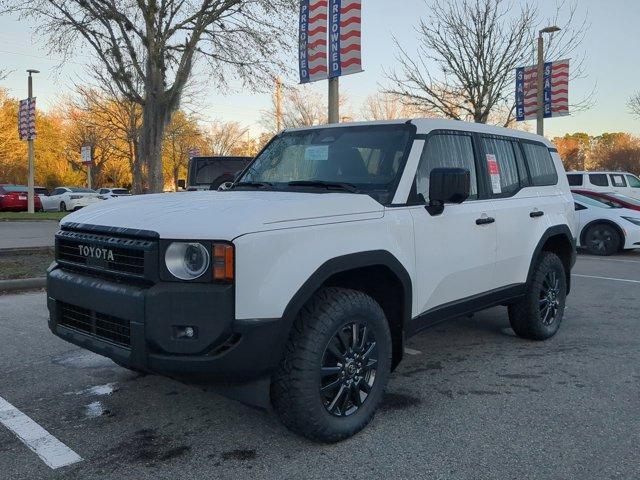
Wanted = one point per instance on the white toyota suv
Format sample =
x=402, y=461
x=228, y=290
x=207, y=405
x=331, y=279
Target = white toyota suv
x=302, y=282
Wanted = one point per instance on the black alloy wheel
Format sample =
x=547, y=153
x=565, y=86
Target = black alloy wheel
x=602, y=240
x=550, y=295
x=349, y=366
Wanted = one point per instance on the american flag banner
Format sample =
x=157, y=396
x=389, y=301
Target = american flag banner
x=313, y=40
x=556, y=90
x=345, y=55
x=27, y=119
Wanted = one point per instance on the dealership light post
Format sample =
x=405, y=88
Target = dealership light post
x=30, y=181
x=540, y=122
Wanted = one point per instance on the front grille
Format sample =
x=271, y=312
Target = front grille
x=106, y=327
x=104, y=254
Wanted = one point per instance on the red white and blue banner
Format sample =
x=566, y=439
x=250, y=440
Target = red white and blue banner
x=345, y=55
x=313, y=40
x=555, y=94
x=27, y=119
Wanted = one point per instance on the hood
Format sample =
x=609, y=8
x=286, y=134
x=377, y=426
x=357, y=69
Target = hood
x=226, y=215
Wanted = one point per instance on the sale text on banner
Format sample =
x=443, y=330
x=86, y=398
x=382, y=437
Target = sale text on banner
x=555, y=93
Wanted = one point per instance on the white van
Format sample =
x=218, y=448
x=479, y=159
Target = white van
x=622, y=182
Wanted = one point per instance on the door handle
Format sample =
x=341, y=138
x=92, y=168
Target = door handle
x=485, y=220
x=536, y=214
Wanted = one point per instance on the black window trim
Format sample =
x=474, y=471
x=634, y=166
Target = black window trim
x=624, y=180
x=522, y=142
x=602, y=174
x=413, y=200
x=515, y=143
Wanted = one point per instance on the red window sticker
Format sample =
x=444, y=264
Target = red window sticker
x=494, y=172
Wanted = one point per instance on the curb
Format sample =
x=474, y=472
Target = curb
x=23, y=284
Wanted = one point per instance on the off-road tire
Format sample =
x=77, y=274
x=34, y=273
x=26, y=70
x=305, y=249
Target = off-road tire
x=526, y=316
x=602, y=239
x=295, y=387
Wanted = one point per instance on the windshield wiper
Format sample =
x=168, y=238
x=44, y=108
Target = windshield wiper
x=253, y=184
x=328, y=185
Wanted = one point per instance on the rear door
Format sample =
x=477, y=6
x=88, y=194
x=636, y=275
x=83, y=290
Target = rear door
x=455, y=251
x=519, y=210
x=599, y=182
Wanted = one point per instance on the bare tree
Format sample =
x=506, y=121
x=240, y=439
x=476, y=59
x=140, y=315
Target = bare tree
x=227, y=138
x=468, y=51
x=388, y=106
x=156, y=43
x=634, y=104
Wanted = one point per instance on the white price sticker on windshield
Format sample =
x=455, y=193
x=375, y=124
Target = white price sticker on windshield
x=494, y=172
x=317, y=153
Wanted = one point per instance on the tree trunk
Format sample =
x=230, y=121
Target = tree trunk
x=155, y=118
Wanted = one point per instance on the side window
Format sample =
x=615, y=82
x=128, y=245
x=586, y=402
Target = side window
x=575, y=179
x=579, y=207
x=633, y=181
x=543, y=171
x=618, y=180
x=58, y=191
x=599, y=179
x=446, y=151
x=505, y=156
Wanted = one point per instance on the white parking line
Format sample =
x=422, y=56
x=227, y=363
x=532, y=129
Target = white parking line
x=411, y=351
x=51, y=450
x=606, y=278
x=609, y=260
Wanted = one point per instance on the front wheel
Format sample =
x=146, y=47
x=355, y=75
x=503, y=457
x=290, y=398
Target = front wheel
x=539, y=314
x=335, y=366
x=602, y=239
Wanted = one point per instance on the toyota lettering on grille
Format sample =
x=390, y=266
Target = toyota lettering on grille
x=96, y=252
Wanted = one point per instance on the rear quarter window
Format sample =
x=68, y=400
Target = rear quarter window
x=575, y=179
x=598, y=179
x=541, y=167
x=618, y=180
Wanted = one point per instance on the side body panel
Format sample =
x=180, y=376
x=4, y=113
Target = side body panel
x=264, y=288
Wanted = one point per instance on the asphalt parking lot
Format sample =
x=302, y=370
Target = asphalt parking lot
x=470, y=401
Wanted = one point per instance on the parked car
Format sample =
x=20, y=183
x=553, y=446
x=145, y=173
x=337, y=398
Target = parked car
x=107, y=193
x=615, y=199
x=604, y=228
x=332, y=248
x=65, y=199
x=208, y=173
x=13, y=198
x=621, y=182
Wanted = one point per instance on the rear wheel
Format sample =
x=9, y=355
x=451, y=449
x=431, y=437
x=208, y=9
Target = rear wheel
x=602, y=239
x=63, y=207
x=335, y=366
x=539, y=314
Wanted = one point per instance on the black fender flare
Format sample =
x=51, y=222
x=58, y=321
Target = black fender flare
x=606, y=222
x=556, y=230
x=341, y=264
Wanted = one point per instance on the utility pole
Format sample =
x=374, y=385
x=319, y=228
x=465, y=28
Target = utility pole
x=540, y=83
x=334, y=100
x=30, y=180
x=278, y=100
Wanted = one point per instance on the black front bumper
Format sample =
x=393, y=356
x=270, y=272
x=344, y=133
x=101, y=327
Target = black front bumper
x=225, y=348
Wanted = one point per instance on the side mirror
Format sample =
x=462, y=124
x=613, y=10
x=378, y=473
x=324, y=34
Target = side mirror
x=225, y=186
x=447, y=185
x=182, y=183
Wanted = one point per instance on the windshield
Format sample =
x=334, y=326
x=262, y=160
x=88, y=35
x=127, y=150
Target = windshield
x=365, y=159
x=593, y=202
x=120, y=191
x=14, y=188
x=633, y=181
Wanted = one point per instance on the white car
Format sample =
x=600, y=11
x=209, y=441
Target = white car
x=621, y=182
x=66, y=199
x=333, y=247
x=107, y=193
x=604, y=229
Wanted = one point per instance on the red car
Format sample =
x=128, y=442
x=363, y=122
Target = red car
x=14, y=198
x=615, y=199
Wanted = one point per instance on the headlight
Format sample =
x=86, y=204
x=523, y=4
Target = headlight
x=186, y=261
x=635, y=221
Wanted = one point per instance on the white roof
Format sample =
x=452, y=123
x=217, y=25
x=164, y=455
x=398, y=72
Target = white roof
x=426, y=125
x=601, y=171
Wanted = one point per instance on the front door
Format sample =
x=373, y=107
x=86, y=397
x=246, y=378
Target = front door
x=456, y=250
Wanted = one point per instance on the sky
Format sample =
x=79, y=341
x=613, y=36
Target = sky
x=612, y=45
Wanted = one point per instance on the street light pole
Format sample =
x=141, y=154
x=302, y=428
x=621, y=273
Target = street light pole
x=30, y=180
x=540, y=83
x=334, y=100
